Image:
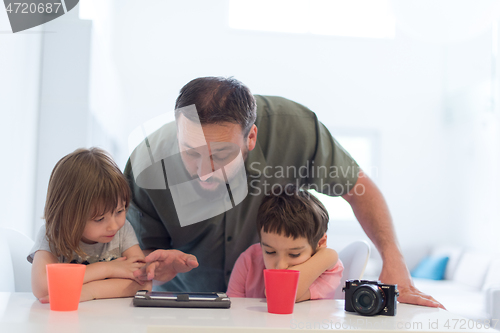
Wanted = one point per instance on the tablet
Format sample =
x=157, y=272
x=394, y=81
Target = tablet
x=181, y=299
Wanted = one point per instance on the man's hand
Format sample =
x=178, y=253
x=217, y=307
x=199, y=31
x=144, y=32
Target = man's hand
x=163, y=265
x=391, y=274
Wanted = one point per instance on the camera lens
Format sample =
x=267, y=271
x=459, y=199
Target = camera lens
x=368, y=299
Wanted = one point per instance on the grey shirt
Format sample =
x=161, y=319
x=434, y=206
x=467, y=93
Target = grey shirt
x=292, y=146
x=123, y=240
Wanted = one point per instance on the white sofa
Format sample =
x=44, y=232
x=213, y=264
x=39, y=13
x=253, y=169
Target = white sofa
x=471, y=285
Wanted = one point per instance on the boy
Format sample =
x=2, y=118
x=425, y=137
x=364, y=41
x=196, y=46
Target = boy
x=292, y=228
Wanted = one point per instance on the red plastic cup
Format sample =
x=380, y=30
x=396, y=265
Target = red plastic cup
x=281, y=290
x=65, y=283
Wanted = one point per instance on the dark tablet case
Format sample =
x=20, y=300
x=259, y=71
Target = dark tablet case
x=144, y=298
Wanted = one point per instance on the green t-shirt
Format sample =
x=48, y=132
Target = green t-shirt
x=292, y=147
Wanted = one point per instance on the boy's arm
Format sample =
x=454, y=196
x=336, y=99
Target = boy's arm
x=324, y=259
x=39, y=284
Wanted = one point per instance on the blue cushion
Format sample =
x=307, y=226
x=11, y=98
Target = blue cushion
x=431, y=268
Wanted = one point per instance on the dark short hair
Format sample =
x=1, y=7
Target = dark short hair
x=293, y=213
x=218, y=100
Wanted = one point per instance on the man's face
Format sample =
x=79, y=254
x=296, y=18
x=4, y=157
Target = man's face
x=208, y=148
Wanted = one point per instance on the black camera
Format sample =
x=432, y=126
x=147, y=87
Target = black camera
x=369, y=298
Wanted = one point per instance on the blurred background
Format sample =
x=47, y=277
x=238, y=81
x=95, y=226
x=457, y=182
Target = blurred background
x=409, y=88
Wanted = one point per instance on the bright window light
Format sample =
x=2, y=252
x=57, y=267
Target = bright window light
x=349, y=18
x=361, y=149
x=86, y=10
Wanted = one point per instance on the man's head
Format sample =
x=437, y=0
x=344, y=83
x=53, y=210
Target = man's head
x=291, y=225
x=212, y=134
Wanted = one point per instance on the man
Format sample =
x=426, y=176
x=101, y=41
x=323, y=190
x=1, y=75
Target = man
x=189, y=198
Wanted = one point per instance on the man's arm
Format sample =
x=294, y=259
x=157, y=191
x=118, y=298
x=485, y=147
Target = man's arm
x=372, y=212
x=311, y=269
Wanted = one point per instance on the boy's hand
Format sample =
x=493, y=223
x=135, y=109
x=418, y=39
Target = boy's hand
x=123, y=268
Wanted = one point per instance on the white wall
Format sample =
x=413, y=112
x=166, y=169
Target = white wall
x=44, y=108
x=19, y=102
x=64, y=88
x=473, y=142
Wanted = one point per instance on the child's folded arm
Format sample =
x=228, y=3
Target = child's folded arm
x=97, y=271
x=311, y=269
x=111, y=288
x=122, y=268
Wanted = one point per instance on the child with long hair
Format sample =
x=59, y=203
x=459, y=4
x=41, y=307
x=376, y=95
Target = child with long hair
x=85, y=222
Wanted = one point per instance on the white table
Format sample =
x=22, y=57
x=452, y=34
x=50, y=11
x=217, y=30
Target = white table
x=21, y=312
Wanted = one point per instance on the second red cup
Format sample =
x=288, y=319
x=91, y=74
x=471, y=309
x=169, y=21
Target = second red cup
x=281, y=290
x=65, y=283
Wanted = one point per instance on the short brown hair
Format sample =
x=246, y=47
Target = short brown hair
x=218, y=100
x=83, y=185
x=293, y=213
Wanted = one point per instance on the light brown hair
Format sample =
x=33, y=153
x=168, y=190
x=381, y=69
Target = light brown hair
x=293, y=213
x=83, y=185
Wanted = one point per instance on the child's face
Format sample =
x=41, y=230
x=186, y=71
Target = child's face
x=281, y=252
x=103, y=228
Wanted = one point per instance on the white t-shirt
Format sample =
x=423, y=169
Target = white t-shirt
x=123, y=240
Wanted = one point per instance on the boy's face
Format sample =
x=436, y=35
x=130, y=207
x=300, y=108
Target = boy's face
x=103, y=228
x=281, y=252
